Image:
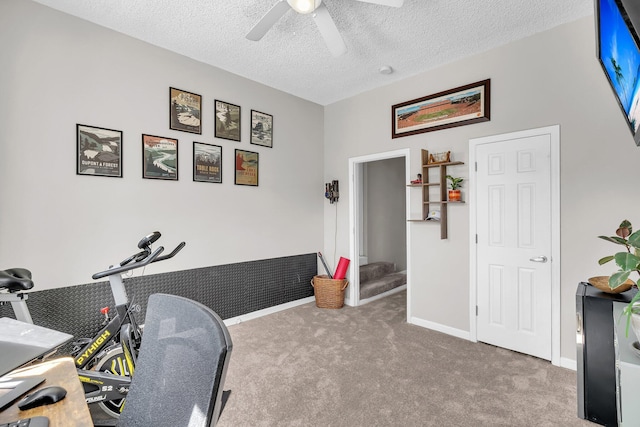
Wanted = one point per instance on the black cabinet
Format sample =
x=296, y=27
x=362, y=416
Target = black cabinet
x=596, y=361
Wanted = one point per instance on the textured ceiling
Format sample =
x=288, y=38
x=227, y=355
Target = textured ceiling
x=292, y=56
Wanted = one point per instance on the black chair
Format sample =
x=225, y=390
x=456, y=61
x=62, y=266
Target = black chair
x=181, y=368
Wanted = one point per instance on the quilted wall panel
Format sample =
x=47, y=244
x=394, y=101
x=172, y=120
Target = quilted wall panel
x=230, y=290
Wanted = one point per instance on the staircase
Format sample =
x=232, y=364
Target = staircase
x=379, y=277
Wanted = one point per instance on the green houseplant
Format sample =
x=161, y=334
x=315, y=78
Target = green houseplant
x=454, y=184
x=628, y=262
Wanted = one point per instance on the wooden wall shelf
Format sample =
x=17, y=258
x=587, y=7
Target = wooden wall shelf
x=442, y=183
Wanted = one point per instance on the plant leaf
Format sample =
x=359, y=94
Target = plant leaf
x=614, y=239
x=605, y=259
x=634, y=239
x=618, y=278
x=626, y=224
x=626, y=261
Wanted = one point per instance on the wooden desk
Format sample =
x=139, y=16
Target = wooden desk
x=72, y=411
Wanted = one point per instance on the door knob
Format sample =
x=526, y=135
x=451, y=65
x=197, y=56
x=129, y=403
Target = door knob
x=539, y=259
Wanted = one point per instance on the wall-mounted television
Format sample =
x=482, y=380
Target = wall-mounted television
x=617, y=50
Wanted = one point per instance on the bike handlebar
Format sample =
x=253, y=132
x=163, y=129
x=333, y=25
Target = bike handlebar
x=172, y=254
x=137, y=264
x=142, y=258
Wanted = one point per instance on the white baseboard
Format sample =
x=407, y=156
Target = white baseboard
x=266, y=311
x=465, y=335
x=568, y=363
x=564, y=361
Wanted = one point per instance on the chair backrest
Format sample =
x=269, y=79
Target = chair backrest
x=181, y=368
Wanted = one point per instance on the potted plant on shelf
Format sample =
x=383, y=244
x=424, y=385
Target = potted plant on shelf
x=628, y=262
x=455, y=184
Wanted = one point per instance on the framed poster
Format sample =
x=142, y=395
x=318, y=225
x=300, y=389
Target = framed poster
x=207, y=162
x=246, y=168
x=185, y=110
x=261, y=129
x=227, y=121
x=98, y=151
x=461, y=106
x=159, y=157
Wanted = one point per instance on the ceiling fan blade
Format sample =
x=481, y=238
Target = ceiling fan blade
x=329, y=31
x=275, y=13
x=392, y=3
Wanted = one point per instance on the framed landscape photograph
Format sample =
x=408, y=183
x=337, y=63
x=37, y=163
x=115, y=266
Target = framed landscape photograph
x=159, y=157
x=246, y=168
x=227, y=121
x=261, y=129
x=98, y=151
x=461, y=106
x=185, y=110
x=207, y=162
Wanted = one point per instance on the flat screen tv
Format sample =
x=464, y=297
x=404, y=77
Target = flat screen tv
x=617, y=50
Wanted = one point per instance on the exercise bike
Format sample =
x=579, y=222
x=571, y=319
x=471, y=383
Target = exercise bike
x=106, y=362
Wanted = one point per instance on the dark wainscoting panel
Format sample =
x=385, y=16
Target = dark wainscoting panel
x=230, y=290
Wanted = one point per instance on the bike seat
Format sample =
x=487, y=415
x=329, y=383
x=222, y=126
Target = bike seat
x=16, y=279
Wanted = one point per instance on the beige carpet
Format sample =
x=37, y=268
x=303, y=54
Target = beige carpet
x=366, y=366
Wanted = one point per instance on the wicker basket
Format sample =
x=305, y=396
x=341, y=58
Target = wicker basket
x=329, y=292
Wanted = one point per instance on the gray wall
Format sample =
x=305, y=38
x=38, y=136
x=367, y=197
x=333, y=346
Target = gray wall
x=57, y=71
x=550, y=78
x=386, y=217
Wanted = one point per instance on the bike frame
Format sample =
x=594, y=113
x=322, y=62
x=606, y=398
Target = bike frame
x=121, y=328
x=121, y=331
x=114, y=329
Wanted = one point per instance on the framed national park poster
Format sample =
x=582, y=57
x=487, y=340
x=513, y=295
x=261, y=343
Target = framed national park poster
x=159, y=157
x=227, y=121
x=98, y=151
x=207, y=162
x=185, y=110
x=246, y=168
x=261, y=129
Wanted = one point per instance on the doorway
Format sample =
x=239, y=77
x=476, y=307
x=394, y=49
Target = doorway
x=515, y=241
x=366, y=185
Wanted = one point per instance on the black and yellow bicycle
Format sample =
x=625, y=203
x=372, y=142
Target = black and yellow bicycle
x=106, y=362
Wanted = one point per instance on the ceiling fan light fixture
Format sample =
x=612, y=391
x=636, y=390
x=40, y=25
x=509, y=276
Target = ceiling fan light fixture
x=304, y=6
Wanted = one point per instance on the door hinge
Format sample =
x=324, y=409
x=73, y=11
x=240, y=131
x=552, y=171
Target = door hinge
x=476, y=310
x=476, y=166
x=476, y=239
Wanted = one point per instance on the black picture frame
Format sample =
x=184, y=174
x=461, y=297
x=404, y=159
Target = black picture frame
x=228, y=120
x=460, y=106
x=261, y=129
x=185, y=111
x=159, y=157
x=98, y=151
x=247, y=164
x=207, y=162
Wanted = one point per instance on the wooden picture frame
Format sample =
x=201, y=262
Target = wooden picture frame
x=246, y=167
x=460, y=106
x=207, y=162
x=98, y=151
x=227, y=118
x=261, y=129
x=185, y=111
x=159, y=157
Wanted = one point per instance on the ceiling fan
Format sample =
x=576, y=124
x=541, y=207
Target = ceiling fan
x=321, y=16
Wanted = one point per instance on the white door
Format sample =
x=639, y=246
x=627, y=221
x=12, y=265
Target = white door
x=514, y=277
